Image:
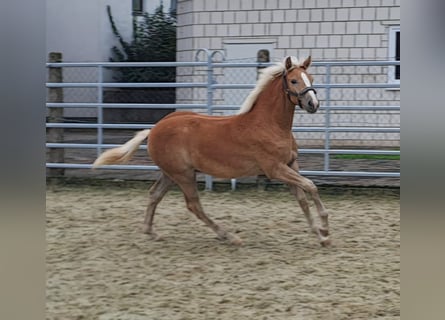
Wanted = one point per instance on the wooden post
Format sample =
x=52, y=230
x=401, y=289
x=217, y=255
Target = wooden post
x=262, y=56
x=55, y=115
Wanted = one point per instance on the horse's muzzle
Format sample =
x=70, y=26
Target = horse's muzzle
x=311, y=107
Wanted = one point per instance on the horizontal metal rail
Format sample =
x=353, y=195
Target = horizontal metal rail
x=127, y=85
x=318, y=86
x=345, y=129
x=144, y=126
x=304, y=172
x=125, y=105
x=213, y=86
x=351, y=151
x=124, y=64
x=200, y=106
x=322, y=107
x=356, y=63
x=99, y=125
x=214, y=64
x=90, y=166
x=68, y=145
x=85, y=145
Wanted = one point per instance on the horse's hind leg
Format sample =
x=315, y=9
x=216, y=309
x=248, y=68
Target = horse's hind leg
x=155, y=194
x=188, y=187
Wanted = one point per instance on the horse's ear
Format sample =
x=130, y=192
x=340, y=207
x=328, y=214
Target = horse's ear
x=307, y=63
x=288, y=63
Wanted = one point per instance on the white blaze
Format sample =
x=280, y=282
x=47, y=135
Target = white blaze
x=308, y=84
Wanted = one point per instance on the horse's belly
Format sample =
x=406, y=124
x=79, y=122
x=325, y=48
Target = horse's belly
x=226, y=172
x=226, y=165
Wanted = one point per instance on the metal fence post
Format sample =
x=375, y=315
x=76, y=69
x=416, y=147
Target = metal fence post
x=327, y=141
x=100, y=113
x=208, y=178
x=55, y=115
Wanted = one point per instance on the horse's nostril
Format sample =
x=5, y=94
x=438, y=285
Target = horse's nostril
x=311, y=104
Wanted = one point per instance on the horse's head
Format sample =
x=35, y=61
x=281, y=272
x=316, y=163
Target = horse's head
x=297, y=84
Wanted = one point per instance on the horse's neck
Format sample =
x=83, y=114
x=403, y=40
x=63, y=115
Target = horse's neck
x=274, y=107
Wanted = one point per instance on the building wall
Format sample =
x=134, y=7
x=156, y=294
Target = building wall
x=80, y=29
x=325, y=29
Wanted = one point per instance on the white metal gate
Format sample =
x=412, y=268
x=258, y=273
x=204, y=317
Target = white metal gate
x=207, y=83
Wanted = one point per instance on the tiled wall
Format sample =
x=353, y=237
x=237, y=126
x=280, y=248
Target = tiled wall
x=324, y=29
x=327, y=29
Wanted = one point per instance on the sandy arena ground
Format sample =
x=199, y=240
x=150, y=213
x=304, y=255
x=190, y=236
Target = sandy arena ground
x=100, y=265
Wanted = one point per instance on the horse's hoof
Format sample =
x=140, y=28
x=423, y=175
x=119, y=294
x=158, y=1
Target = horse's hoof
x=153, y=235
x=146, y=229
x=324, y=232
x=234, y=240
x=326, y=242
x=157, y=237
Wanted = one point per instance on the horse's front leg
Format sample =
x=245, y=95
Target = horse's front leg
x=290, y=176
x=300, y=194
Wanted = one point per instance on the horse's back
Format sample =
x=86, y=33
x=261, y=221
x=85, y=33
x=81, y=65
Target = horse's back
x=190, y=130
x=196, y=115
x=192, y=123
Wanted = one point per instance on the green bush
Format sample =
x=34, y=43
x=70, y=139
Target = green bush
x=153, y=40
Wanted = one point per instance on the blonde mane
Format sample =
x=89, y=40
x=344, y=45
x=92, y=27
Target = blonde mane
x=267, y=76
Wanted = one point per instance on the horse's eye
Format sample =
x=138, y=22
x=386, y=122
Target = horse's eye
x=293, y=81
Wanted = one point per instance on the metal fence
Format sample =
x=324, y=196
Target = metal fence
x=359, y=114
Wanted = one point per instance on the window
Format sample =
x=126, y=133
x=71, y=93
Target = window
x=394, y=54
x=138, y=6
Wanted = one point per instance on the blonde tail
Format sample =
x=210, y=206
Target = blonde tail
x=123, y=153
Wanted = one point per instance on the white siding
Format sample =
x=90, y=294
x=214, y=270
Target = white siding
x=327, y=30
x=366, y=22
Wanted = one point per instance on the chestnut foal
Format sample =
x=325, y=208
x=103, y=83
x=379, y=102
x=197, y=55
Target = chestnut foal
x=256, y=141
